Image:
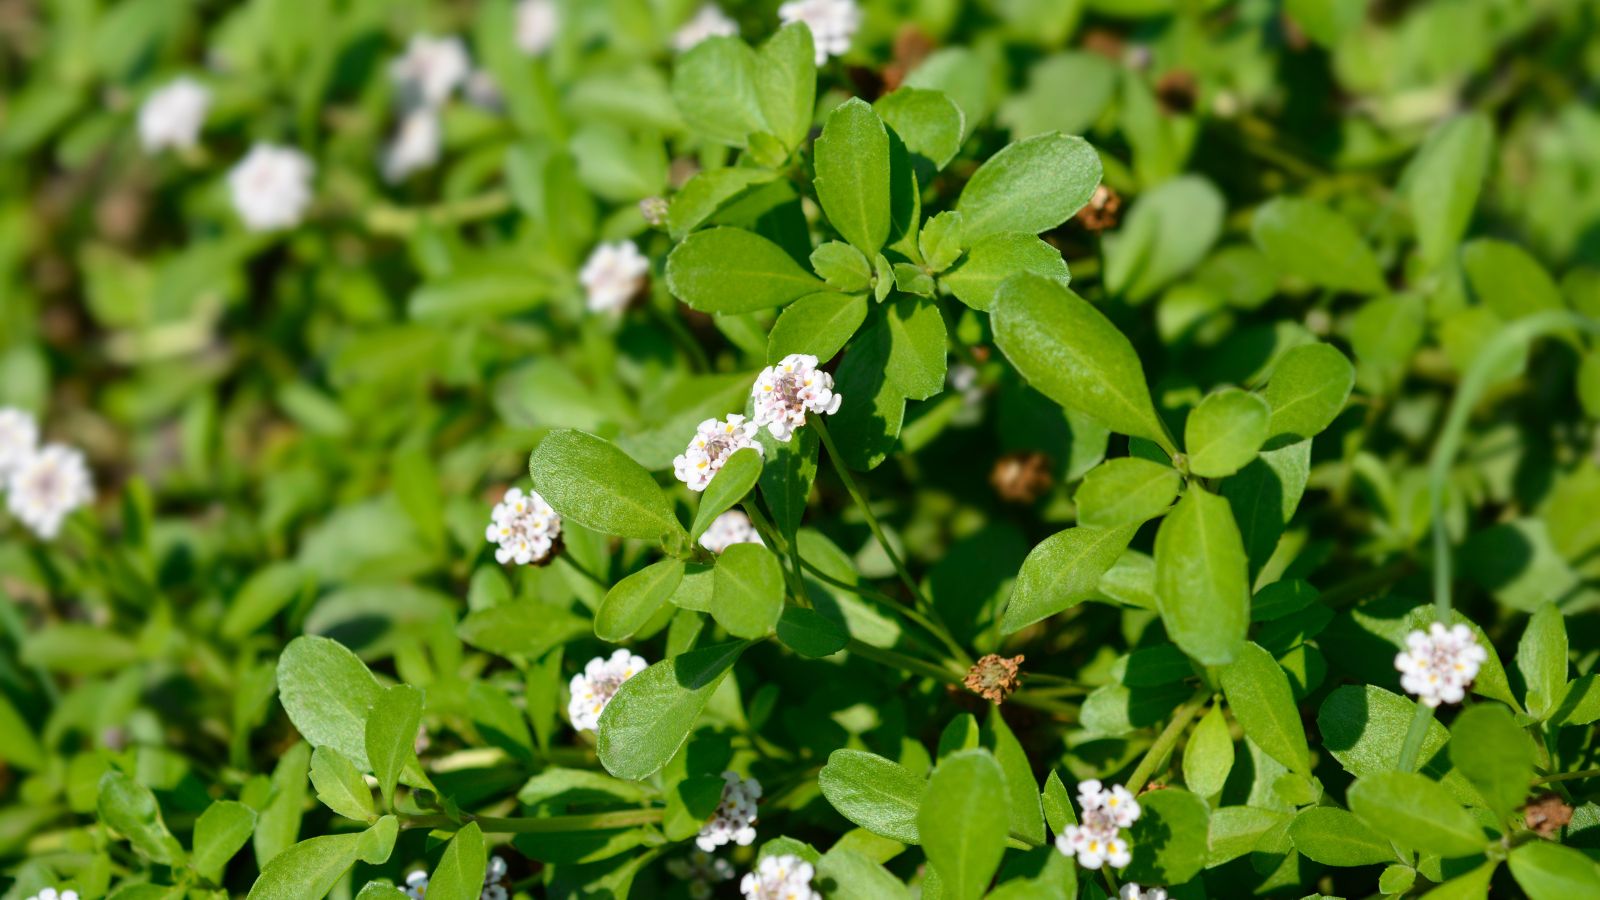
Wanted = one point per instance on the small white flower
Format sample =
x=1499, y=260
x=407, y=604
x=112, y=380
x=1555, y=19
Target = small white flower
x=784, y=393
x=51, y=893
x=524, y=527
x=538, y=22
x=735, y=818
x=654, y=210
x=709, y=449
x=710, y=21
x=732, y=527
x=271, y=187
x=1132, y=891
x=783, y=877
x=47, y=486
x=415, y=146
x=1438, y=665
x=594, y=687
x=482, y=90
x=1098, y=840
x=963, y=379
x=430, y=70
x=833, y=23
x=172, y=116
x=417, y=882
x=701, y=870
x=19, y=438
x=613, y=274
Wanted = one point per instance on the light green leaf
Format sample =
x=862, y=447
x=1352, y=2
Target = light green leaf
x=1127, y=490
x=819, y=324
x=1542, y=660
x=1171, y=839
x=588, y=480
x=963, y=822
x=715, y=87
x=1225, y=432
x=843, y=874
x=786, y=83
x=1264, y=495
x=1030, y=186
x=942, y=239
x=709, y=191
x=842, y=266
x=130, y=809
x=1022, y=792
x=1443, y=180
x=459, y=875
x=633, y=602
x=309, y=869
x=1494, y=754
x=1063, y=571
x=1552, y=872
x=521, y=627
x=264, y=595
x=786, y=478
x=852, y=175
x=1507, y=279
x=1262, y=702
x=1334, y=837
x=879, y=795
x=1414, y=811
x=1202, y=579
x=327, y=690
x=340, y=786
x=1208, y=757
x=929, y=123
x=1309, y=387
x=1310, y=241
x=653, y=712
x=392, y=734
x=1070, y=352
x=732, y=482
x=730, y=270
x=1167, y=233
x=1474, y=885
x=747, y=590
x=278, y=823
x=219, y=833
x=916, y=347
x=867, y=426
x=976, y=280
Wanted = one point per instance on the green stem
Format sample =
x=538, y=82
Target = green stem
x=401, y=221
x=1412, y=748
x=890, y=603
x=897, y=660
x=1568, y=776
x=622, y=818
x=774, y=539
x=1167, y=739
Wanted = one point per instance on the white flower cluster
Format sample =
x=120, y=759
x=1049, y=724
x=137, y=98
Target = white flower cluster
x=1098, y=839
x=594, y=687
x=1132, y=891
x=833, y=23
x=43, y=484
x=710, y=448
x=1439, y=664
x=710, y=21
x=612, y=275
x=784, y=393
x=271, y=187
x=424, y=78
x=537, y=24
x=783, y=877
x=172, y=116
x=417, y=882
x=524, y=527
x=732, y=527
x=53, y=894
x=735, y=818
x=701, y=871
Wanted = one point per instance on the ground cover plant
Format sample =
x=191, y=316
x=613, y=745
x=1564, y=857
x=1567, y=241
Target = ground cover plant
x=828, y=448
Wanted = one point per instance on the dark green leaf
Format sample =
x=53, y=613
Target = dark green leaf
x=730, y=270
x=653, y=712
x=963, y=822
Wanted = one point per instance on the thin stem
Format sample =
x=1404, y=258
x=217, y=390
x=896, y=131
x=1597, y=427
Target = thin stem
x=882, y=599
x=1568, y=776
x=401, y=221
x=1167, y=739
x=898, y=660
x=622, y=818
x=566, y=558
x=1412, y=748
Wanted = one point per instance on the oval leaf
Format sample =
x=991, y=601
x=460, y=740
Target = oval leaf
x=730, y=270
x=1202, y=582
x=653, y=712
x=1063, y=571
x=1030, y=186
x=590, y=481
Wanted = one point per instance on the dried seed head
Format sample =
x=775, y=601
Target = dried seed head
x=1102, y=212
x=1547, y=814
x=1023, y=476
x=994, y=677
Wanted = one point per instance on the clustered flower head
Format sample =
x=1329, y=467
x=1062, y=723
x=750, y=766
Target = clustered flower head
x=594, y=687
x=172, y=116
x=784, y=877
x=784, y=393
x=1132, y=891
x=1439, y=664
x=416, y=145
x=732, y=527
x=51, y=893
x=1098, y=839
x=525, y=529
x=735, y=818
x=430, y=70
x=709, y=449
x=271, y=187
x=43, y=484
x=700, y=870
x=537, y=23
x=612, y=275
x=708, y=22
x=417, y=882
x=833, y=23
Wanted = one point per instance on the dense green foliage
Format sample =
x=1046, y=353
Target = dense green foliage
x=1185, y=358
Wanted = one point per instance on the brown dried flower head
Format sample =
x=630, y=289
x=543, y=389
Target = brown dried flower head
x=1102, y=212
x=1547, y=814
x=993, y=677
x=1023, y=476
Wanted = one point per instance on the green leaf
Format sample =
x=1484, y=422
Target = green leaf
x=786, y=83
x=842, y=266
x=1385, y=335
x=340, y=787
x=916, y=347
x=1364, y=727
x=1022, y=792
x=1127, y=490
x=843, y=874
x=21, y=749
x=1508, y=280
x=327, y=690
x=1309, y=387
x=963, y=822
x=1494, y=754
x=1167, y=233
x=1474, y=885
x=819, y=324
x=811, y=633
x=976, y=280
x=786, y=478
x=1312, y=242
x=653, y=712
x=1029, y=186
x=264, y=595
x=78, y=648
x=634, y=601
x=278, y=823
x=588, y=480
x=708, y=192
x=1443, y=180
x=879, y=795
x=1263, y=703
x=1264, y=496
x=1542, y=660
x=852, y=175
x=747, y=590
x=521, y=627
x=1208, y=757
x=1397, y=879
x=1057, y=805
x=1225, y=432
x=1070, y=352
x=867, y=426
x=459, y=875
x=391, y=740
x=219, y=833
x=130, y=809
x=732, y=482
x=1581, y=705
x=929, y=123
x=730, y=270
x=942, y=239
x=1063, y=571
x=1171, y=839
x=909, y=278
x=309, y=869
x=1552, y=872
x=1413, y=811
x=715, y=87
x=1202, y=579
x=1334, y=837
